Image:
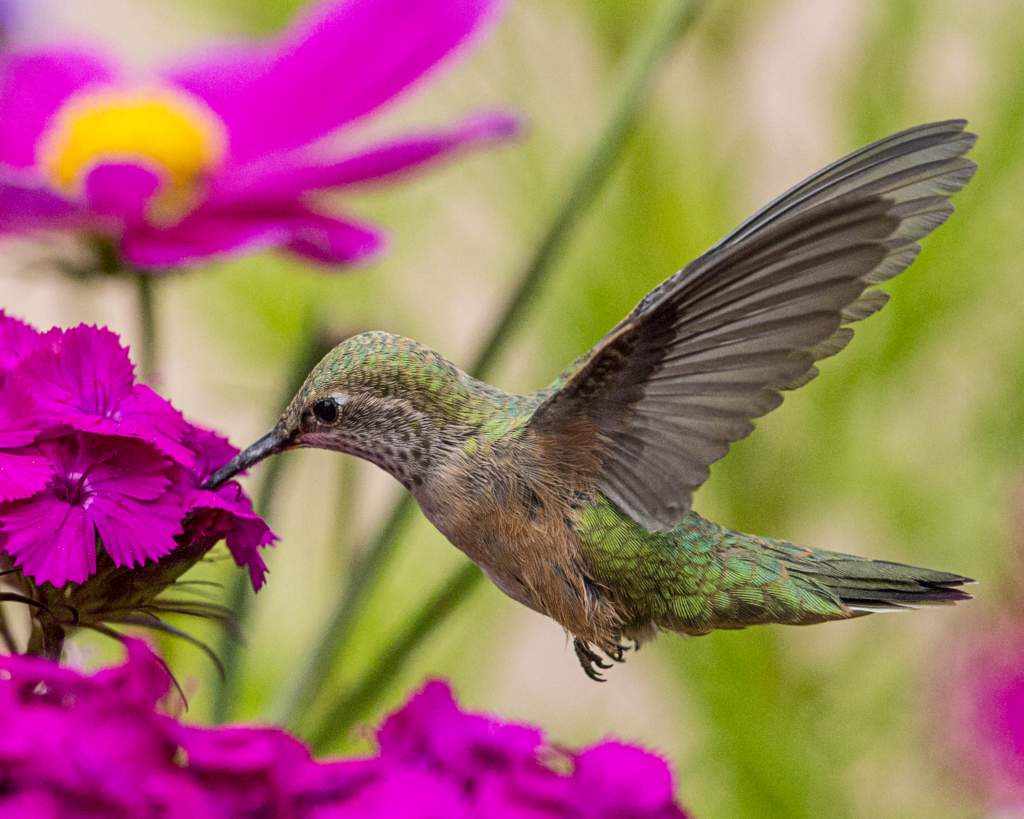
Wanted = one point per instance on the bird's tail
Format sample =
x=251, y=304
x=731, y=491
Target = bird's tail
x=864, y=586
x=722, y=578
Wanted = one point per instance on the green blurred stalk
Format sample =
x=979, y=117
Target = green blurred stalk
x=671, y=21
x=240, y=594
x=364, y=695
x=146, y=350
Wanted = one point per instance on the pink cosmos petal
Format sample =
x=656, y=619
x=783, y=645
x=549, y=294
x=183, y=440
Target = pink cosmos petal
x=121, y=189
x=27, y=204
x=17, y=340
x=200, y=236
x=51, y=540
x=343, y=60
x=135, y=531
x=33, y=85
x=209, y=233
x=289, y=176
x=332, y=241
x=22, y=475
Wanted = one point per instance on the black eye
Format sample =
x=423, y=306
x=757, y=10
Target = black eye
x=326, y=410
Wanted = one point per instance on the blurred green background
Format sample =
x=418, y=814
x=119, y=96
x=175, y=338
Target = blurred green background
x=908, y=447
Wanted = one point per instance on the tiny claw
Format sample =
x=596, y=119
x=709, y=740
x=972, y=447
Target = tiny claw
x=617, y=652
x=588, y=659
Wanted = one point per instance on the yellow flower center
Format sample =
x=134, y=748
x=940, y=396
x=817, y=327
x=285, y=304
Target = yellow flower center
x=166, y=130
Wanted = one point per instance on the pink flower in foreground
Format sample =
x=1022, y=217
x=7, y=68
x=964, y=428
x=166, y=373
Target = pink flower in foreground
x=88, y=457
x=980, y=709
x=218, y=155
x=98, y=746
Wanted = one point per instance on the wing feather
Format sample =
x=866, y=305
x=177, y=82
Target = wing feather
x=714, y=345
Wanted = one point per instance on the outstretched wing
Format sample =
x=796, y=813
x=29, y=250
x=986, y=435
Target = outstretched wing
x=713, y=346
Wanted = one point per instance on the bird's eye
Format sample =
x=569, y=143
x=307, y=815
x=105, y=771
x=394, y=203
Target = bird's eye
x=326, y=410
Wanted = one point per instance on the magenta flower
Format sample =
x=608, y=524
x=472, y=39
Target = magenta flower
x=88, y=456
x=110, y=487
x=21, y=474
x=980, y=712
x=98, y=746
x=218, y=156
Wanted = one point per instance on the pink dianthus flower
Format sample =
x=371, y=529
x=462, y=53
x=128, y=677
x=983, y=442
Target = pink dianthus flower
x=99, y=747
x=88, y=457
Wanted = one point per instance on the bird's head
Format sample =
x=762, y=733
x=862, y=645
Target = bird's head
x=376, y=395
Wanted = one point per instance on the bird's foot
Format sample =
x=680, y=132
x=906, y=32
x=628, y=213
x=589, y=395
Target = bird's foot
x=588, y=659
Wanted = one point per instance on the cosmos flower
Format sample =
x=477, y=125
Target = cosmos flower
x=88, y=456
x=218, y=155
x=99, y=746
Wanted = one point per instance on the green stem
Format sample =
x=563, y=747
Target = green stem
x=357, y=702
x=147, y=354
x=240, y=594
x=5, y=631
x=669, y=24
x=47, y=640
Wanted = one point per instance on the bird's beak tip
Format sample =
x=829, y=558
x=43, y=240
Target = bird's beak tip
x=273, y=442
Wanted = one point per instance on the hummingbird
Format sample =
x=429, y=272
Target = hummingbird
x=576, y=500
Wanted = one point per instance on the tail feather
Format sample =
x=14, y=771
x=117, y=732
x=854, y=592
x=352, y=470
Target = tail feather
x=866, y=586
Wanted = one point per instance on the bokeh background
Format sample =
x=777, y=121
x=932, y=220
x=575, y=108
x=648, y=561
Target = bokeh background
x=909, y=447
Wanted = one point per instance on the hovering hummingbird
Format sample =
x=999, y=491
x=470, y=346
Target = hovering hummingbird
x=575, y=500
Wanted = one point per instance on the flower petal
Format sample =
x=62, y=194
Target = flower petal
x=22, y=475
x=83, y=377
x=332, y=241
x=52, y=541
x=121, y=189
x=288, y=177
x=134, y=531
x=27, y=204
x=18, y=418
x=81, y=370
x=221, y=233
x=111, y=464
x=33, y=85
x=247, y=533
x=277, y=100
x=17, y=339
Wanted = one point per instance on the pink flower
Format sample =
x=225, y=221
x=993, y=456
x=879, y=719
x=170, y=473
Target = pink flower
x=218, y=155
x=109, y=487
x=88, y=456
x=979, y=711
x=99, y=747
x=21, y=474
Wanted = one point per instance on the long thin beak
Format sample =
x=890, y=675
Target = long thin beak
x=270, y=444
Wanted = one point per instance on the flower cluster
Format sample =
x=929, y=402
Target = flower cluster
x=97, y=747
x=88, y=457
x=217, y=155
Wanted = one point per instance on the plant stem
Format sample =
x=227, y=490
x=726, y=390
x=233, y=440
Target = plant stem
x=240, y=593
x=147, y=356
x=5, y=631
x=358, y=700
x=666, y=27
